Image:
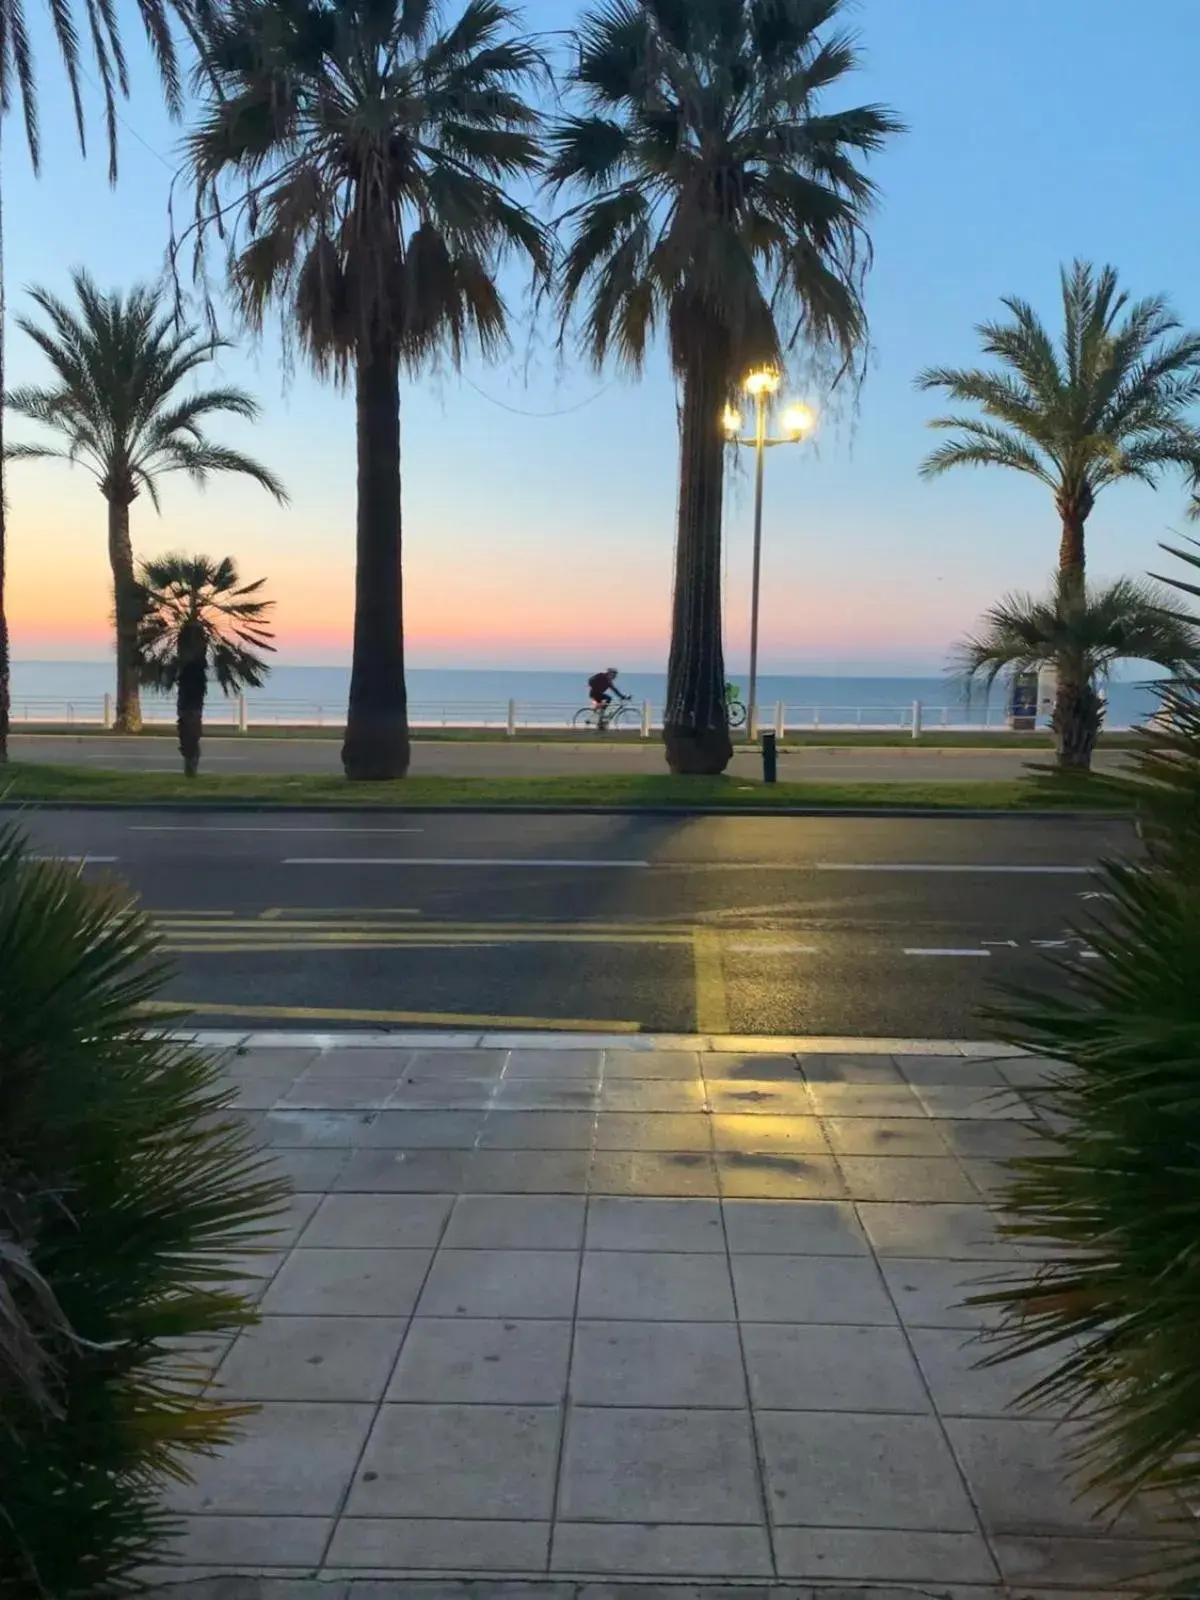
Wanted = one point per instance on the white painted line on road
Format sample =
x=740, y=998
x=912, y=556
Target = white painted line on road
x=943, y=866
x=178, y=827
x=977, y=953
x=78, y=861
x=446, y=861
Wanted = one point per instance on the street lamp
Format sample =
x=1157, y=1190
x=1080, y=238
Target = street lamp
x=796, y=422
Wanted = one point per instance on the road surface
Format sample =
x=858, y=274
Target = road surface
x=865, y=927
x=496, y=759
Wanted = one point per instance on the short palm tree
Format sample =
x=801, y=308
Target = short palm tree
x=97, y=21
x=363, y=148
x=720, y=201
x=199, y=620
x=1083, y=633
x=121, y=405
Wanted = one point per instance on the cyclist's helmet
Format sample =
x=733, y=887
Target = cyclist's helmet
x=611, y=672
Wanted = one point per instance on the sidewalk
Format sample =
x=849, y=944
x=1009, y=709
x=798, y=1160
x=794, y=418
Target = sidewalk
x=637, y=1310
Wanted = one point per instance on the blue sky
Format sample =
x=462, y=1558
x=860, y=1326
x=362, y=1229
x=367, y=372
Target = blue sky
x=1039, y=130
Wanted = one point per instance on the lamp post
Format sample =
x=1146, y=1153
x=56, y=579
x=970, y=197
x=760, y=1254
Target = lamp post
x=797, y=422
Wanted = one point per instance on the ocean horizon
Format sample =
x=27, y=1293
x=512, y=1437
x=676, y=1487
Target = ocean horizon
x=75, y=690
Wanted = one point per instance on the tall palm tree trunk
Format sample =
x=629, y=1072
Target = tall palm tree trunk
x=696, y=721
x=377, y=741
x=127, y=607
x=189, y=703
x=5, y=668
x=1077, y=706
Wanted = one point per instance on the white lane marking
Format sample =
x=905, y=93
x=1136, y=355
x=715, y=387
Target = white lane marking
x=759, y=947
x=176, y=827
x=446, y=861
x=78, y=861
x=937, y=952
x=943, y=866
x=1089, y=955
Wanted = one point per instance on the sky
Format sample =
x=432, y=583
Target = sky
x=539, y=495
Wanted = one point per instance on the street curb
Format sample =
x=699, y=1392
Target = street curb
x=704, y=1043
x=280, y=1584
x=366, y=809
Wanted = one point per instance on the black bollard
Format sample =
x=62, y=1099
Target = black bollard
x=770, y=758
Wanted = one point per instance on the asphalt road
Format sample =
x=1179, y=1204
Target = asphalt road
x=861, y=927
x=496, y=759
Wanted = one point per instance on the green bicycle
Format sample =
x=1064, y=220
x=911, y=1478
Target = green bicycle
x=735, y=711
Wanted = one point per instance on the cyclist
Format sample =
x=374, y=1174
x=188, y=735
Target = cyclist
x=601, y=688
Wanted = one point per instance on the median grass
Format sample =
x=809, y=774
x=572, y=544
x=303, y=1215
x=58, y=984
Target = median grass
x=27, y=783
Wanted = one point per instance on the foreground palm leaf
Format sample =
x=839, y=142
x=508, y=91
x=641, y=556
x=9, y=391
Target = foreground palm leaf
x=1109, y=403
x=362, y=150
x=1114, y=1197
x=199, y=618
x=724, y=205
x=122, y=407
x=127, y=1189
x=1082, y=635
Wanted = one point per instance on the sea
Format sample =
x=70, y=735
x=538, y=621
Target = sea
x=74, y=691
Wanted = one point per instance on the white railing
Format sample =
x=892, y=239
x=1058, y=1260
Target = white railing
x=249, y=712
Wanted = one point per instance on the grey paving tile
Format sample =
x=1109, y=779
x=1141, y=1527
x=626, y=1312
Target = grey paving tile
x=296, y=1460
x=1108, y=1564
x=410, y=1129
x=287, y=1226
x=991, y=1140
x=369, y=1283
x=444, y=1094
x=280, y=1062
x=313, y=1358
x=645, y=1065
x=950, y=1359
x=1017, y=1472
x=404, y=1172
x=378, y=1221
x=362, y=1061
x=339, y=1094
x=932, y=1294
x=655, y=1466
x=442, y=1064
x=527, y=1172
x=779, y=1135
x=830, y=1368
x=959, y=1071
x=674, y=1173
x=558, y=1064
x=859, y=1555
x=653, y=1130
x=866, y=1100
x=430, y=1544
x=1033, y=1072
x=466, y=1462
x=766, y=1175
x=733, y=1098
x=516, y=1222
x=648, y=1095
x=252, y=1273
x=259, y=1094
x=849, y=1068
x=884, y=1136
x=952, y=1232
x=621, y=1223
x=836, y=1469
x=538, y=1130
x=286, y=1128
x=906, y=1178
x=664, y=1550
x=491, y=1361
x=312, y=1171
x=793, y=1227
x=501, y=1283
x=964, y=1101
x=730, y=1066
x=806, y=1289
x=664, y=1364
x=621, y=1286
x=545, y=1094
x=248, y=1542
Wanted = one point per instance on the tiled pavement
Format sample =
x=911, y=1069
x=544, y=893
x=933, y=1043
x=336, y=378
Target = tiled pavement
x=639, y=1313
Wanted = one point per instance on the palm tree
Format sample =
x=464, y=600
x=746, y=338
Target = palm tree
x=197, y=619
x=371, y=147
x=121, y=408
x=720, y=201
x=1083, y=632
x=1110, y=403
x=97, y=19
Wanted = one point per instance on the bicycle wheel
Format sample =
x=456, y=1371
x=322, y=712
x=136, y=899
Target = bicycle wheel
x=737, y=714
x=624, y=716
x=585, y=718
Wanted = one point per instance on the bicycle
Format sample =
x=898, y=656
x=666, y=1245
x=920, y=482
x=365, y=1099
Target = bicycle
x=603, y=717
x=735, y=711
